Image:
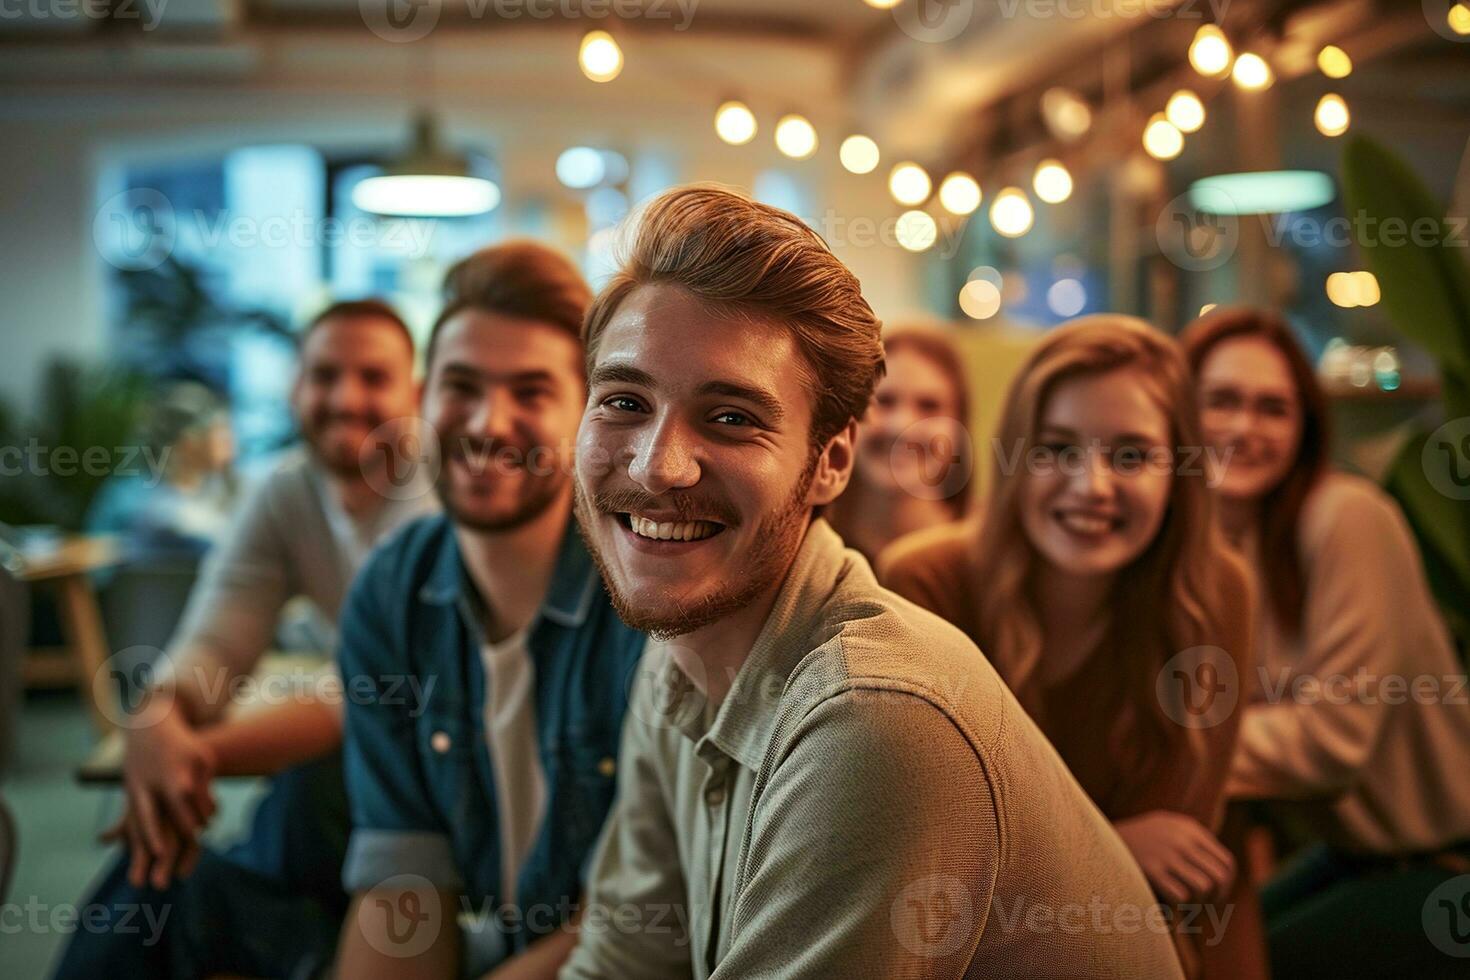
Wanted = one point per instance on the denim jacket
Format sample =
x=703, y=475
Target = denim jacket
x=418, y=769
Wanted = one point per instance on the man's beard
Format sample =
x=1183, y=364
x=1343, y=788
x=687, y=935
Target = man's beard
x=537, y=496
x=776, y=542
x=349, y=463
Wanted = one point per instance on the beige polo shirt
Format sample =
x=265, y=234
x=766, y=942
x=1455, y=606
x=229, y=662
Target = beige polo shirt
x=868, y=800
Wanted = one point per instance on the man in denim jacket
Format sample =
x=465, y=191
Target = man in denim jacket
x=484, y=669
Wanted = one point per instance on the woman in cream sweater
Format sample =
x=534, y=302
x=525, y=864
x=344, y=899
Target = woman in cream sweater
x=1358, y=716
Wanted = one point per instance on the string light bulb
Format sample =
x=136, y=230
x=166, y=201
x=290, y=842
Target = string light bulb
x=1162, y=139
x=735, y=123
x=1332, y=116
x=916, y=230
x=1011, y=214
x=796, y=137
x=1334, y=62
x=1252, y=73
x=909, y=184
x=1185, y=111
x=859, y=154
x=1459, y=19
x=1052, y=181
x=959, y=193
x=600, y=57
x=1210, y=51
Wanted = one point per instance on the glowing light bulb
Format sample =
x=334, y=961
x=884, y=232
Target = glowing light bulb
x=1052, y=182
x=796, y=137
x=859, y=154
x=1162, y=139
x=1334, y=62
x=1185, y=111
x=1011, y=214
x=959, y=193
x=1252, y=73
x=1210, y=51
x=1332, y=115
x=735, y=123
x=909, y=184
x=980, y=299
x=1459, y=18
x=600, y=57
x=916, y=230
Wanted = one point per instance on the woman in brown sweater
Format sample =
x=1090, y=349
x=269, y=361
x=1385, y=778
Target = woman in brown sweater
x=1097, y=583
x=1359, y=721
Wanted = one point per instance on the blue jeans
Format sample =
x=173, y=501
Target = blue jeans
x=270, y=906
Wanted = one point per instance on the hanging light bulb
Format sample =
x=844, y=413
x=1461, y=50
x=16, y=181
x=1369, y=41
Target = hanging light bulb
x=735, y=123
x=600, y=57
x=980, y=299
x=1052, y=182
x=909, y=184
x=1459, y=19
x=859, y=154
x=959, y=193
x=796, y=137
x=1252, y=73
x=916, y=230
x=883, y=4
x=1162, y=139
x=1011, y=214
x=1065, y=113
x=1210, y=51
x=1332, y=115
x=1185, y=111
x=1334, y=62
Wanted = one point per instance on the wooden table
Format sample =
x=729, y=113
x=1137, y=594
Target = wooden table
x=67, y=570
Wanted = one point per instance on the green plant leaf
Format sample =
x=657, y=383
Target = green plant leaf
x=1425, y=287
x=1441, y=523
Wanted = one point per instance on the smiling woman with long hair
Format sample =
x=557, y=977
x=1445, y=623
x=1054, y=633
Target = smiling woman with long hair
x=914, y=457
x=1356, y=722
x=1095, y=572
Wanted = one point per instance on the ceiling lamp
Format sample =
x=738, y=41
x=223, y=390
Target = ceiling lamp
x=909, y=184
x=429, y=182
x=796, y=137
x=1210, y=52
x=1011, y=214
x=1252, y=73
x=1185, y=111
x=1261, y=192
x=959, y=193
x=1052, y=181
x=735, y=123
x=859, y=154
x=600, y=57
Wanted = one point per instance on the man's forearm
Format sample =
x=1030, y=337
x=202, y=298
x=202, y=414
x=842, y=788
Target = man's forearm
x=263, y=741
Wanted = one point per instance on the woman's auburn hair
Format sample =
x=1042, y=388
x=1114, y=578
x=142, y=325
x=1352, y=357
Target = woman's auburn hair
x=1281, y=509
x=741, y=257
x=936, y=346
x=1168, y=600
